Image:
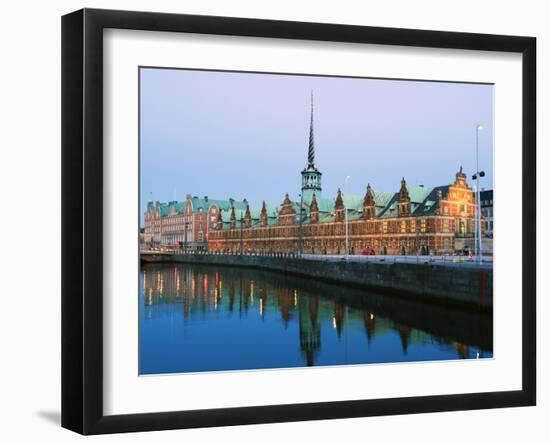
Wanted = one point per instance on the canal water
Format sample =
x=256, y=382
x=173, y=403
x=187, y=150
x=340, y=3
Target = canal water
x=197, y=318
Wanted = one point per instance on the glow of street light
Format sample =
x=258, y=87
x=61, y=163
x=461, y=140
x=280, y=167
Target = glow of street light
x=479, y=127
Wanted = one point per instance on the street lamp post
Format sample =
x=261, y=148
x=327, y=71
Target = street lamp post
x=346, y=217
x=416, y=241
x=185, y=224
x=241, y=233
x=477, y=177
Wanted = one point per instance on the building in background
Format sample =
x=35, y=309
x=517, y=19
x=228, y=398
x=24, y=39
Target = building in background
x=486, y=198
x=181, y=225
x=414, y=220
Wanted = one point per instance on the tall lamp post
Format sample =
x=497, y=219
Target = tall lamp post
x=186, y=225
x=346, y=217
x=477, y=177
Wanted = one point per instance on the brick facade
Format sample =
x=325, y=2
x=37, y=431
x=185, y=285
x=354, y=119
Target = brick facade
x=409, y=231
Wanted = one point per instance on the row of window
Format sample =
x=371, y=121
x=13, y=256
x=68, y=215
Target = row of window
x=175, y=238
x=403, y=227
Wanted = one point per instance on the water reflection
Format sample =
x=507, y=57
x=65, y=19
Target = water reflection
x=199, y=318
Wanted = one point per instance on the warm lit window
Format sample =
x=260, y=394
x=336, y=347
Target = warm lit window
x=423, y=225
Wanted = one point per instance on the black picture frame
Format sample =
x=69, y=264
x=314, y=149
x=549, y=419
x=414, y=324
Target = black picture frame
x=82, y=215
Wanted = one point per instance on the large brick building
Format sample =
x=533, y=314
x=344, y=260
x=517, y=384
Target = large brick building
x=414, y=220
x=181, y=225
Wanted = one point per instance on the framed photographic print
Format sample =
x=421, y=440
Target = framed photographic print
x=270, y=221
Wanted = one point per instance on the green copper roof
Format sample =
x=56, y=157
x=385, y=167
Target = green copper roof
x=423, y=202
x=197, y=205
x=381, y=198
x=325, y=204
x=353, y=202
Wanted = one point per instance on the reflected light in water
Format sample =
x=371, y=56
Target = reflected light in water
x=215, y=332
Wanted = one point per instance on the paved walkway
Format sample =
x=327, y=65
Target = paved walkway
x=449, y=260
x=413, y=259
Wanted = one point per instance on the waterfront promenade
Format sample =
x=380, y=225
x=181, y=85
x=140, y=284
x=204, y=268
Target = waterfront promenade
x=438, y=260
x=461, y=283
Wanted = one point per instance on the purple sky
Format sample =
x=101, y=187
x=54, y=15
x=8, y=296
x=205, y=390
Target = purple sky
x=246, y=135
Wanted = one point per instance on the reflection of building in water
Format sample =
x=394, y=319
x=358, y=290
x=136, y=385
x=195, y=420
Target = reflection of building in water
x=285, y=300
x=200, y=290
x=462, y=349
x=310, y=329
x=405, y=336
x=339, y=318
x=370, y=324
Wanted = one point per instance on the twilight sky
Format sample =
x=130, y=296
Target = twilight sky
x=246, y=135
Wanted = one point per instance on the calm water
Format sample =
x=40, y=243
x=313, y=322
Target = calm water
x=199, y=318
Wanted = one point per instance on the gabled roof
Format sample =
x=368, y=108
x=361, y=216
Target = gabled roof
x=353, y=202
x=423, y=203
x=197, y=204
x=325, y=204
x=382, y=199
x=226, y=204
x=171, y=208
x=429, y=205
x=255, y=215
x=417, y=194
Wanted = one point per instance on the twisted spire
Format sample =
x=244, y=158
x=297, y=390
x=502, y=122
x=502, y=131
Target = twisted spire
x=311, y=150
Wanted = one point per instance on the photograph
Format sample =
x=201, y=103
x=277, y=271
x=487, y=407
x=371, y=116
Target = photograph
x=295, y=221
x=275, y=222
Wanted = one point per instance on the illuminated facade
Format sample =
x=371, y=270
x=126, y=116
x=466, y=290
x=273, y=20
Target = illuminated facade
x=414, y=220
x=181, y=225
